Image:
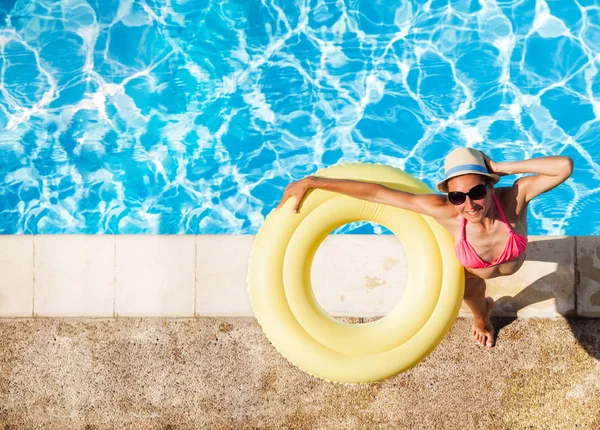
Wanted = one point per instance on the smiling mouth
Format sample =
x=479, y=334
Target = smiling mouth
x=473, y=212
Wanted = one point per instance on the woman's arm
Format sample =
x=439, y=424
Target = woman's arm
x=298, y=189
x=549, y=172
x=434, y=205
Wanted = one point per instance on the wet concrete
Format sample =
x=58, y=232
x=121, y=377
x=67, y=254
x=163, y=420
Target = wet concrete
x=223, y=373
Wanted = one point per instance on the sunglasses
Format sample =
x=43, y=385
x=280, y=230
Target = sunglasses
x=476, y=193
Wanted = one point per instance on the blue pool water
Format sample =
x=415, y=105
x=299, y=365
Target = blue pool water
x=191, y=117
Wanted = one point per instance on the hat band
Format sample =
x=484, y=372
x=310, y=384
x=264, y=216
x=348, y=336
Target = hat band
x=476, y=167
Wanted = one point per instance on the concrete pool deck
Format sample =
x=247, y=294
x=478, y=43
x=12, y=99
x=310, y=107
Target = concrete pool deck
x=158, y=332
x=222, y=373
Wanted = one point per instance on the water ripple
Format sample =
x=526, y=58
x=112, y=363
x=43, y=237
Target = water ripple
x=192, y=116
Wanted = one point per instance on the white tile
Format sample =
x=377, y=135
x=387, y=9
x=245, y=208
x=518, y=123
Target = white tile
x=359, y=275
x=155, y=275
x=161, y=275
x=16, y=275
x=74, y=275
x=588, y=290
x=222, y=267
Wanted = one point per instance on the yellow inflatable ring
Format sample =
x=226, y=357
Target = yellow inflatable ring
x=285, y=306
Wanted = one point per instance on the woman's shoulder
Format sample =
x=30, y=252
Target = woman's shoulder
x=511, y=205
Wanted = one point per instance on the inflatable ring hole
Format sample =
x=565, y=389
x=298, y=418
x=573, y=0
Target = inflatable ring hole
x=359, y=275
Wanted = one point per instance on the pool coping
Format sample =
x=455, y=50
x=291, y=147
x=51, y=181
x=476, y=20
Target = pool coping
x=182, y=276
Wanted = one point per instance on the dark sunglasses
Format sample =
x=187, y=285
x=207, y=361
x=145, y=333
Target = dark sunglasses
x=476, y=193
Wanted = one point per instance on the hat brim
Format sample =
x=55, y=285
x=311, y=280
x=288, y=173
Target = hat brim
x=442, y=186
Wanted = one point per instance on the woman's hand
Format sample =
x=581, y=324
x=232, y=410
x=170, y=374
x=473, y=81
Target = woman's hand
x=492, y=166
x=297, y=189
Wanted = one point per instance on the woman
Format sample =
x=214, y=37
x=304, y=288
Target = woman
x=489, y=224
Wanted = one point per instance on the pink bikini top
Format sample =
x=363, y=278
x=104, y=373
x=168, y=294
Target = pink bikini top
x=467, y=256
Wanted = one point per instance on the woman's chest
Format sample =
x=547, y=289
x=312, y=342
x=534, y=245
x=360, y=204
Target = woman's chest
x=487, y=244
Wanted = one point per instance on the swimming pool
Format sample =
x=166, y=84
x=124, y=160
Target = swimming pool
x=191, y=117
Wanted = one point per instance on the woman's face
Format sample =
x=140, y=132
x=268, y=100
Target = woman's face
x=472, y=210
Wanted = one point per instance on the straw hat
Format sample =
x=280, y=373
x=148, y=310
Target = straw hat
x=463, y=161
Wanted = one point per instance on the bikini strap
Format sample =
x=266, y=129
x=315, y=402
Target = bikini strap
x=499, y=208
